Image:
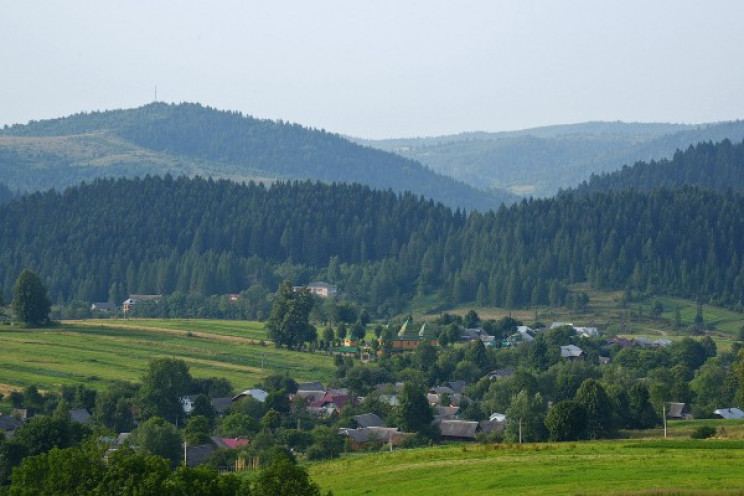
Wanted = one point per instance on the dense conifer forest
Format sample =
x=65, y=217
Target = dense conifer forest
x=5, y=193
x=104, y=240
x=718, y=167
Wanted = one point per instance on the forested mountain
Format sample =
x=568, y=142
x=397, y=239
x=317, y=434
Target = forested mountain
x=718, y=167
x=541, y=161
x=5, y=193
x=189, y=139
x=104, y=240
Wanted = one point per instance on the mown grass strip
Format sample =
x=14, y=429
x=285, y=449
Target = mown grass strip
x=96, y=355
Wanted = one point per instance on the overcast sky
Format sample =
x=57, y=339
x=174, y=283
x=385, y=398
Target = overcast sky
x=380, y=68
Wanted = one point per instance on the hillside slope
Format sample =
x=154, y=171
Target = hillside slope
x=189, y=139
x=541, y=161
x=718, y=167
x=165, y=235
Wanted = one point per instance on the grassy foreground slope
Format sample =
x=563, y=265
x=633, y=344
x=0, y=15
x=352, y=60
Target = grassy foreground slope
x=96, y=353
x=610, y=468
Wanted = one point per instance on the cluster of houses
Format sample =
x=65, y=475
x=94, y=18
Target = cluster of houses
x=523, y=334
x=319, y=288
x=366, y=430
x=104, y=307
x=369, y=428
x=405, y=341
x=640, y=342
x=408, y=339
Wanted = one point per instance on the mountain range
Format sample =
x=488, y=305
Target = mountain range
x=541, y=161
x=190, y=139
x=472, y=171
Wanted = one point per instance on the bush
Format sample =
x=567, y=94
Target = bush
x=703, y=432
x=494, y=437
x=415, y=441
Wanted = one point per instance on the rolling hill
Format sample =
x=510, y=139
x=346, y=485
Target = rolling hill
x=539, y=162
x=189, y=139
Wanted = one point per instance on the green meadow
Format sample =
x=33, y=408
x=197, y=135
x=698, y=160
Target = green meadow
x=96, y=353
x=250, y=330
x=601, y=467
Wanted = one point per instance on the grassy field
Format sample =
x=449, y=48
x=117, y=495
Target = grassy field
x=249, y=330
x=608, y=467
x=96, y=353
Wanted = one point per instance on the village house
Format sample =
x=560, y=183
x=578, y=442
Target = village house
x=80, y=415
x=133, y=299
x=473, y=334
x=368, y=420
x=9, y=424
x=103, y=307
x=320, y=288
x=403, y=344
x=584, y=332
x=499, y=374
x=446, y=412
x=572, y=352
x=496, y=422
x=729, y=413
x=363, y=438
x=255, y=393
x=677, y=411
x=199, y=454
x=458, y=430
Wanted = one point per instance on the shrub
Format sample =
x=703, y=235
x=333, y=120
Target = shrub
x=703, y=432
x=415, y=441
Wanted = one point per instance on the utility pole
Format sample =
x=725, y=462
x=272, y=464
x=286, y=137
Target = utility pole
x=663, y=419
x=520, y=431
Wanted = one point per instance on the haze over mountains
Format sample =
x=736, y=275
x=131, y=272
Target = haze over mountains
x=540, y=161
x=189, y=139
x=469, y=170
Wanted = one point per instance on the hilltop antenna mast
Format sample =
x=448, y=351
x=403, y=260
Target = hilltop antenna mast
x=156, y=93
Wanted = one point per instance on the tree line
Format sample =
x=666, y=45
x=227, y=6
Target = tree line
x=717, y=167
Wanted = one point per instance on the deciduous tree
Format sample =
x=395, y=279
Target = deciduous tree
x=566, y=421
x=289, y=322
x=593, y=397
x=30, y=303
x=414, y=412
x=157, y=436
x=167, y=381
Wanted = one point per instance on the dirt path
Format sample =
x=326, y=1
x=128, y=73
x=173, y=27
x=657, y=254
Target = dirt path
x=7, y=388
x=181, y=332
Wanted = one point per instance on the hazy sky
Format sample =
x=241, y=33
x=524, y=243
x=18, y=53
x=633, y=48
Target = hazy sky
x=380, y=68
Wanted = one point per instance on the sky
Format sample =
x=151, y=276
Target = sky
x=383, y=68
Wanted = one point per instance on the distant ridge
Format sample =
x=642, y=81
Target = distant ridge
x=540, y=161
x=190, y=139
